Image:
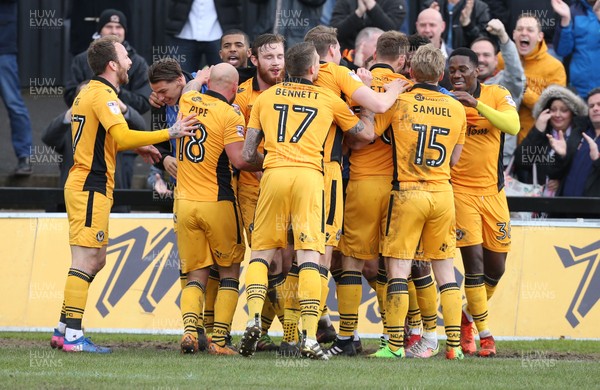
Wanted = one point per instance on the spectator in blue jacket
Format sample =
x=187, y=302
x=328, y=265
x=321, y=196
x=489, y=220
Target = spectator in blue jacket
x=578, y=35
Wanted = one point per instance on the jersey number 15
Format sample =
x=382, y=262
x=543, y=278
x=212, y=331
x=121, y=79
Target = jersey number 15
x=433, y=144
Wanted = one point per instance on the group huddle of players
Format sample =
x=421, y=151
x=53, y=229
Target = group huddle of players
x=419, y=185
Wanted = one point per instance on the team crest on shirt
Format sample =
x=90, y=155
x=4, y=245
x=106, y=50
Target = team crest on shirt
x=510, y=101
x=355, y=76
x=113, y=106
x=100, y=236
x=459, y=234
x=236, y=108
x=240, y=130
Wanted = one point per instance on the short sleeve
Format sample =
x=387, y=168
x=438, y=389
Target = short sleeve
x=234, y=127
x=348, y=81
x=108, y=111
x=504, y=100
x=343, y=115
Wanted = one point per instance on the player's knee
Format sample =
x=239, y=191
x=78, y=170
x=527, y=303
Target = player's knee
x=420, y=269
x=495, y=272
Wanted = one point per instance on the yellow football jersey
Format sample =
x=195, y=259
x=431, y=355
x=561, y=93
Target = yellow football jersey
x=203, y=168
x=426, y=126
x=375, y=159
x=247, y=93
x=480, y=170
x=95, y=111
x=295, y=118
x=343, y=83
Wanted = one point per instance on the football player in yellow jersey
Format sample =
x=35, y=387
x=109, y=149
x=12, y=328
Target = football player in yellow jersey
x=349, y=86
x=482, y=215
x=428, y=129
x=367, y=194
x=99, y=130
x=294, y=119
x=268, y=57
x=209, y=228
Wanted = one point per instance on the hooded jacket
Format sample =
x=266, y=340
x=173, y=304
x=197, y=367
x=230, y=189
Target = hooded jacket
x=535, y=148
x=135, y=93
x=541, y=70
x=581, y=40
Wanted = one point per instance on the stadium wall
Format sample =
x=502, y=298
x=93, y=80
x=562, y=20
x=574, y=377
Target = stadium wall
x=550, y=289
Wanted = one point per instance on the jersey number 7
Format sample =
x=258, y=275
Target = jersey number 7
x=283, y=109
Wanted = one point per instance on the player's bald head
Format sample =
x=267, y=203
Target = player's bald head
x=223, y=74
x=224, y=79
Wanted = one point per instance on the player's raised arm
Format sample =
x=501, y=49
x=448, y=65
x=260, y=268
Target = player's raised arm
x=131, y=139
x=198, y=81
x=379, y=102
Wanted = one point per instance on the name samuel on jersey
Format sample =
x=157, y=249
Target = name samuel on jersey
x=438, y=111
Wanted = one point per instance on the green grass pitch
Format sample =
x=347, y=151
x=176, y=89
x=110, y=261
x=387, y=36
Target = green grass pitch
x=154, y=362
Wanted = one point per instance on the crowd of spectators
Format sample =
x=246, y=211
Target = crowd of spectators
x=544, y=53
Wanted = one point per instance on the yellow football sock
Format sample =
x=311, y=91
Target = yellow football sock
x=427, y=302
x=276, y=294
x=256, y=286
x=373, y=284
x=477, y=300
x=450, y=298
x=76, y=293
x=63, y=314
x=309, y=297
x=396, y=308
x=292, y=307
x=381, y=293
x=192, y=300
x=212, y=287
x=349, y=296
x=414, y=313
x=267, y=316
x=336, y=274
x=490, y=286
x=225, y=305
x=324, y=274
